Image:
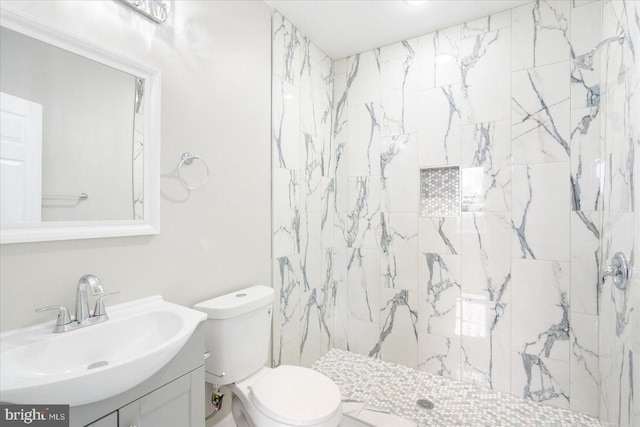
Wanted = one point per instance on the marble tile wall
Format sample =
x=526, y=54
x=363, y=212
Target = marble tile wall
x=506, y=295
x=138, y=153
x=303, y=188
x=619, y=342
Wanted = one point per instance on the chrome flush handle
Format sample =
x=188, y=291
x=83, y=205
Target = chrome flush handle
x=618, y=270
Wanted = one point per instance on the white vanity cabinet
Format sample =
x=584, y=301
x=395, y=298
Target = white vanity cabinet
x=178, y=403
x=110, y=420
x=171, y=398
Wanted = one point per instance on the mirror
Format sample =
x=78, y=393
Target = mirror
x=79, y=138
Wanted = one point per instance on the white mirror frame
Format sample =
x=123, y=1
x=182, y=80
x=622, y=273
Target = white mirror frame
x=70, y=230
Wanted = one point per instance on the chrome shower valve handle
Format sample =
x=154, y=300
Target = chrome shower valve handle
x=618, y=270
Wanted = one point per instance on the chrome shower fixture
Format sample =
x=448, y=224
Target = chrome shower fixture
x=585, y=61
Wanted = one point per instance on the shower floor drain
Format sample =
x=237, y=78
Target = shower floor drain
x=425, y=403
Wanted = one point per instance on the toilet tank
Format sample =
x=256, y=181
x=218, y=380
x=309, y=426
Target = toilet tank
x=238, y=333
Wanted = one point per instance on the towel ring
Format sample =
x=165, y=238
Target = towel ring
x=187, y=159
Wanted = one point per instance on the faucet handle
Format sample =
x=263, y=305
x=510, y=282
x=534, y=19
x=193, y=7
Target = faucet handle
x=99, y=309
x=63, y=316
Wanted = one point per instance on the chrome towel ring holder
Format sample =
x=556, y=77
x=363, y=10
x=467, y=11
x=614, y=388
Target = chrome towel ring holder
x=187, y=159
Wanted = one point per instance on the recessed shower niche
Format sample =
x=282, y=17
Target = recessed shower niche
x=440, y=191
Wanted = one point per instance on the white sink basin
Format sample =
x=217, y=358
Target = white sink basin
x=96, y=362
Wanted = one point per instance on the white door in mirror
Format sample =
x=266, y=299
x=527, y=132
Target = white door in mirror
x=20, y=159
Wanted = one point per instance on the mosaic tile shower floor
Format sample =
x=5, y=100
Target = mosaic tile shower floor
x=386, y=387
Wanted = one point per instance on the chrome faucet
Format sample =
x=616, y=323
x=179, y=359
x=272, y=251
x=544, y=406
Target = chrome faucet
x=82, y=300
x=83, y=316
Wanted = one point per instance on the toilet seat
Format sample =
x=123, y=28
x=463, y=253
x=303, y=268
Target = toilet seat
x=297, y=396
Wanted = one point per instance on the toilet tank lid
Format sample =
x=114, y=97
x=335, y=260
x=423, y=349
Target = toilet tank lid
x=236, y=303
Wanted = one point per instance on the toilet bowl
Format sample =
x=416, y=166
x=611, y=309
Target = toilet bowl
x=238, y=331
x=286, y=396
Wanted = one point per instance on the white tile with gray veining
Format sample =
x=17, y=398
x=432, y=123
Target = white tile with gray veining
x=310, y=239
x=317, y=302
x=485, y=333
x=286, y=212
x=439, y=235
x=138, y=154
x=485, y=159
x=586, y=262
x=363, y=72
x=316, y=94
x=362, y=336
x=540, y=212
x=398, y=339
x=362, y=225
x=540, y=33
x=398, y=173
x=542, y=289
x=540, y=341
x=286, y=319
x=585, y=35
x=487, y=23
x=399, y=82
x=540, y=380
x=446, y=44
x=585, y=374
x=439, y=116
x=621, y=127
x=328, y=213
x=439, y=293
x=486, y=251
x=314, y=181
x=341, y=85
x=363, y=134
x=485, y=71
x=426, y=61
x=439, y=355
x=285, y=125
x=399, y=248
x=363, y=282
x=540, y=114
x=587, y=162
x=287, y=50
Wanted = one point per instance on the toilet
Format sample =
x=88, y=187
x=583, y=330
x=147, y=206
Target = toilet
x=238, y=334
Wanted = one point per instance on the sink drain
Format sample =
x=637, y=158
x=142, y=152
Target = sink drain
x=425, y=403
x=98, y=364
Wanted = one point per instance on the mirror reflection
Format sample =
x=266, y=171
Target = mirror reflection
x=71, y=136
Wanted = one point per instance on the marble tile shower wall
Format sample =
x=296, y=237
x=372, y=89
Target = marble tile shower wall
x=506, y=295
x=619, y=343
x=303, y=196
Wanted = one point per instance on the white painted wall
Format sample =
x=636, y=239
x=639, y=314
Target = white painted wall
x=215, y=62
